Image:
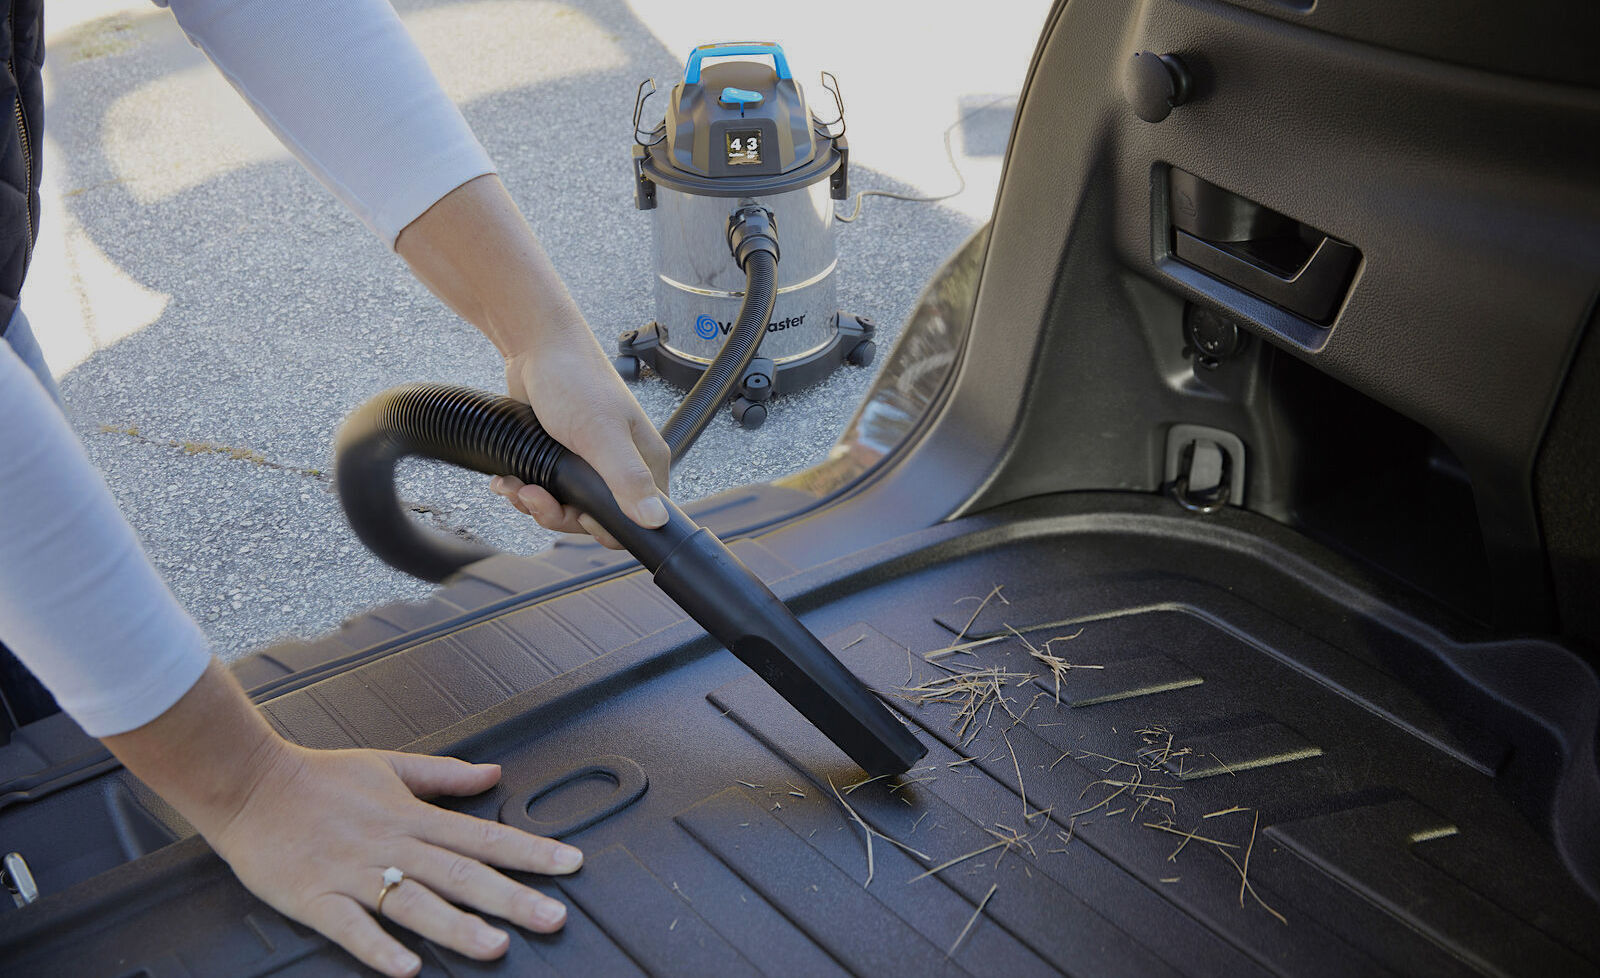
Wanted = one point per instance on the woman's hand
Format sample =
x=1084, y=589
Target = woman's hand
x=474, y=250
x=311, y=832
x=581, y=401
x=318, y=828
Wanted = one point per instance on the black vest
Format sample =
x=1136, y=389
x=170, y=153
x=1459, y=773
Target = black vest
x=22, y=95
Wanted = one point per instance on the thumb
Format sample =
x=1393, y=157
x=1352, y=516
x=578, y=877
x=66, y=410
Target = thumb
x=618, y=461
x=429, y=776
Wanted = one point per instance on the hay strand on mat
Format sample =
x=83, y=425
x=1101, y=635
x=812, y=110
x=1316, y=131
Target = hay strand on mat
x=1057, y=665
x=1244, y=872
x=1022, y=789
x=973, y=919
x=995, y=593
x=865, y=828
x=959, y=859
x=1195, y=836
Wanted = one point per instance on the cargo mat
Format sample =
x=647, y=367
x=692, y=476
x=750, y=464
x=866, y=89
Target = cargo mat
x=1133, y=769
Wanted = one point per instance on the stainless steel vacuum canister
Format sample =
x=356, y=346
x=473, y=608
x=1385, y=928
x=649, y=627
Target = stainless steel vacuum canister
x=737, y=133
x=698, y=290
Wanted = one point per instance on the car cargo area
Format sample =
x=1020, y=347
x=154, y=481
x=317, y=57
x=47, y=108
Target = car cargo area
x=1255, y=762
x=1250, y=624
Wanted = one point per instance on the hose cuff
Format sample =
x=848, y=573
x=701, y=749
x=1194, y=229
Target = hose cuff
x=752, y=228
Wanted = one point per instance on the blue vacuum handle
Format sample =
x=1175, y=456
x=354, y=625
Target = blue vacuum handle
x=691, y=70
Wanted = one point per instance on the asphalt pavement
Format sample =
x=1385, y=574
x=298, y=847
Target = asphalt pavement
x=212, y=314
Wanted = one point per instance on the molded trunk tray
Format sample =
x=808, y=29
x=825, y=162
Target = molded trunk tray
x=1229, y=705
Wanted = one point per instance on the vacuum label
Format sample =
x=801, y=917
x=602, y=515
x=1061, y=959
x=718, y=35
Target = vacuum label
x=707, y=328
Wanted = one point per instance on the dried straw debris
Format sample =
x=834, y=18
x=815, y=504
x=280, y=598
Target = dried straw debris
x=1057, y=665
x=973, y=919
x=1226, y=811
x=869, y=831
x=982, y=604
x=974, y=693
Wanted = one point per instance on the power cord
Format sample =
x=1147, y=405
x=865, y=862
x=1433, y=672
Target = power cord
x=949, y=155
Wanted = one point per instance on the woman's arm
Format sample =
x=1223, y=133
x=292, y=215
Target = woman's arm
x=80, y=603
x=474, y=250
x=344, y=87
x=308, y=831
x=311, y=832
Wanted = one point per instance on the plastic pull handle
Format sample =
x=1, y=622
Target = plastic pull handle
x=1313, y=291
x=691, y=69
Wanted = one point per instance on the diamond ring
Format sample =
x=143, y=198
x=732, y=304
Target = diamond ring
x=392, y=877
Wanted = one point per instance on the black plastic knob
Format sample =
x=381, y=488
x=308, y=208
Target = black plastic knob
x=1211, y=337
x=1156, y=83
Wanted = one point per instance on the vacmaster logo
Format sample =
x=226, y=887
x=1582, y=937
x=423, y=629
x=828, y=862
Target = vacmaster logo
x=707, y=328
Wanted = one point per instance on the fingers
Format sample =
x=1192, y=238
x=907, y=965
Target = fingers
x=653, y=450
x=508, y=487
x=414, y=906
x=535, y=501
x=352, y=928
x=594, y=529
x=497, y=844
x=430, y=776
x=312, y=841
x=538, y=503
x=617, y=458
x=465, y=880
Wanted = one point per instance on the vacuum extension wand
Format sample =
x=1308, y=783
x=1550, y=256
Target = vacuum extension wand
x=499, y=436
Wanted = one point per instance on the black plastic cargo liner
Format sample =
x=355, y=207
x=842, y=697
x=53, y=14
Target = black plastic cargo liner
x=1392, y=816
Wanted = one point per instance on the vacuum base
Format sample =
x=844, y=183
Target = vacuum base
x=852, y=343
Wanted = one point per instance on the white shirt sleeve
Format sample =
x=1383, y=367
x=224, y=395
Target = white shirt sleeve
x=341, y=83
x=344, y=87
x=80, y=604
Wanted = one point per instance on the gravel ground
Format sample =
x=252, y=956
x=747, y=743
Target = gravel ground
x=213, y=314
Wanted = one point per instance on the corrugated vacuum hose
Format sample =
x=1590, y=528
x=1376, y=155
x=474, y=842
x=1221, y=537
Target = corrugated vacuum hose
x=753, y=239
x=498, y=436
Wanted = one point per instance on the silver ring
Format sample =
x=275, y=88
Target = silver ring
x=392, y=877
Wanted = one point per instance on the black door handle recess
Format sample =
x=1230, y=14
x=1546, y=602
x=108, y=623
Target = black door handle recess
x=1313, y=290
x=1258, y=249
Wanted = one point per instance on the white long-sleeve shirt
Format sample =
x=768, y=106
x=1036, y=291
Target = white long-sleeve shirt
x=344, y=87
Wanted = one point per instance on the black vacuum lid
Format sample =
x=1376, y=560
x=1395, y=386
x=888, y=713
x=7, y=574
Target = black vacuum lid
x=737, y=118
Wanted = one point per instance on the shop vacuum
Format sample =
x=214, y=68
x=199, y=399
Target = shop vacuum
x=498, y=436
x=739, y=134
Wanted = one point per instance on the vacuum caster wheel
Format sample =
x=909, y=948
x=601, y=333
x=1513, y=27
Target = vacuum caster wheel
x=627, y=366
x=749, y=414
x=862, y=354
